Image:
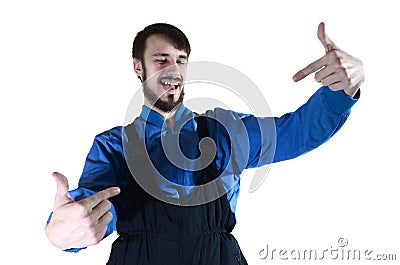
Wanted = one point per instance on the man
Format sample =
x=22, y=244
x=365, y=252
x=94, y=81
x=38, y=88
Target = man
x=130, y=183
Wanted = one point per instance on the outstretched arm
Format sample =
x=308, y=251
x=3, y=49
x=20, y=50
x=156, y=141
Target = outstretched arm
x=320, y=118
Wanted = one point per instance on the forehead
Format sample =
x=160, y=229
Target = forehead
x=158, y=43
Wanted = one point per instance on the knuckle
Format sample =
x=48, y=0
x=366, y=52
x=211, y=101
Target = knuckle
x=91, y=232
x=82, y=209
x=107, y=204
x=93, y=237
x=97, y=197
x=333, y=56
x=316, y=77
x=333, y=53
x=108, y=217
x=337, y=64
x=88, y=221
x=312, y=67
x=94, y=234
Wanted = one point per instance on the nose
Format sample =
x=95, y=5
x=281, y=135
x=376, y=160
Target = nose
x=173, y=70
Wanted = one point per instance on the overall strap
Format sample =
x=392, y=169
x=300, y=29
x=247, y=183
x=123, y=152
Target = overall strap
x=203, y=131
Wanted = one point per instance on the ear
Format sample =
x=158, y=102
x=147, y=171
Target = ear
x=138, y=68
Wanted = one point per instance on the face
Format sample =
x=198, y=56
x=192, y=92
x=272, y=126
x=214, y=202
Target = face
x=163, y=72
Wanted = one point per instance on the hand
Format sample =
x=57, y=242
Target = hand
x=78, y=224
x=340, y=71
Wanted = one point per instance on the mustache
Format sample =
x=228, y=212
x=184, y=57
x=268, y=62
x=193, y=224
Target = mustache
x=171, y=79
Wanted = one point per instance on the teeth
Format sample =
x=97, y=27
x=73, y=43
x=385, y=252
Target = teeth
x=169, y=83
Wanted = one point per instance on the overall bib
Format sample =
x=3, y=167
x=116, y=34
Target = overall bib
x=153, y=232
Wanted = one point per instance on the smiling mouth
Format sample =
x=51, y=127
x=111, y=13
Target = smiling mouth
x=171, y=85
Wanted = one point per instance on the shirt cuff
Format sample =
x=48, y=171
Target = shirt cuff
x=339, y=101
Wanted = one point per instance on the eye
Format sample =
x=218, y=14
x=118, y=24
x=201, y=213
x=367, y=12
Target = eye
x=161, y=61
x=182, y=62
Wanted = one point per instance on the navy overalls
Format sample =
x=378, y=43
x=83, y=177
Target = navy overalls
x=153, y=232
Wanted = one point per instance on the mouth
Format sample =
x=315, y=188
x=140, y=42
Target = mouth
x=171, y=86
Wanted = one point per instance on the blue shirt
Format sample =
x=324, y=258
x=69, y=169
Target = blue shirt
x=242, y=141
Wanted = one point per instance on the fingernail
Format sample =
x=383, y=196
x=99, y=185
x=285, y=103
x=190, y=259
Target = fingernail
x=295, y=78
x=116, y=190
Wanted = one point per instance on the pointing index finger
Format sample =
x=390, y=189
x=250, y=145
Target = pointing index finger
x=311, y=68
x=100, y=196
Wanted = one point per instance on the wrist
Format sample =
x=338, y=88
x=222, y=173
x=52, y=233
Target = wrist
x=351, y=92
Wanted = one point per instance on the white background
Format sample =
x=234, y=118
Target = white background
x=66, y=75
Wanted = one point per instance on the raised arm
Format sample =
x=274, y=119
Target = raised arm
x=317, y=120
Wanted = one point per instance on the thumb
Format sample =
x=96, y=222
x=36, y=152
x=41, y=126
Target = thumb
x=62, y=195
x=324, y=39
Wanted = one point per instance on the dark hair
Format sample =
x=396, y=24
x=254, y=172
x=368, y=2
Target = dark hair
x=175, y=35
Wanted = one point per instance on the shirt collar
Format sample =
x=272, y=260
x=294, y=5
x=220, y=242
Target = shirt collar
x=182, y=115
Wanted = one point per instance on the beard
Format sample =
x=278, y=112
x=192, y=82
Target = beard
x=156, y=101
x=163, y=105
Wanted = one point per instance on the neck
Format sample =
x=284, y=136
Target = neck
x=168, y=117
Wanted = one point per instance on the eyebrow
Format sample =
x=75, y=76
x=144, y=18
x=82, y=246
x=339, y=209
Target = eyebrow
x=166, y=55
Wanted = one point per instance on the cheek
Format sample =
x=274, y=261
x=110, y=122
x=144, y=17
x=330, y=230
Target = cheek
x=151, y=74
x=150, y=71
x=156, y=66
